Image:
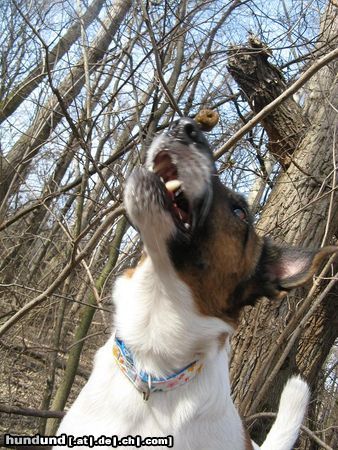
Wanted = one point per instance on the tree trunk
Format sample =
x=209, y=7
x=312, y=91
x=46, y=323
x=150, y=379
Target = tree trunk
x=261, y=83
x=300, y=211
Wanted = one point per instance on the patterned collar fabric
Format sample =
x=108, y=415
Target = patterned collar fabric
x=145, y=382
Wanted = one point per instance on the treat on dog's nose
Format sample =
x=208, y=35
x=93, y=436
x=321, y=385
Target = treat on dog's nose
x=207, y=119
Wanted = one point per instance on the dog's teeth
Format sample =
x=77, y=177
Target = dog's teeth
x=187, y=226
x=162, y=179
x=151, y=169
x=173, y=185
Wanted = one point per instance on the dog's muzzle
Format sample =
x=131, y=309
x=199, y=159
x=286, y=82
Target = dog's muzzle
x=176, y=178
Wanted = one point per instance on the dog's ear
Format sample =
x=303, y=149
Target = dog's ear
x=285, y=268
x=279, y=270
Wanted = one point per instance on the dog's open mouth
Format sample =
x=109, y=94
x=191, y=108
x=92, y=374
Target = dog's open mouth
x=180, y=208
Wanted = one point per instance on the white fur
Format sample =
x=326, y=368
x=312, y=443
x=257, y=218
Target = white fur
x=292, y=408
x=156, y=318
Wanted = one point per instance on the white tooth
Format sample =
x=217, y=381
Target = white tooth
x=187, y=226
x=151, y=169
x=162, y=179
x=173, y=185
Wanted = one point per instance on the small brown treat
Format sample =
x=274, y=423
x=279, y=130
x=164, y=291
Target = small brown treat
x=207, y=119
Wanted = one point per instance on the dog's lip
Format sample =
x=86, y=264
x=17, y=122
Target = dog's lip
x=180, y=208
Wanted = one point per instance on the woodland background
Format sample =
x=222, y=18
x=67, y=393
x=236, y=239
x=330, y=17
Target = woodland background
x=84, y=86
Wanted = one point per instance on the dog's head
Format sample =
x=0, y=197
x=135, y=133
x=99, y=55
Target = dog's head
x=204, y=231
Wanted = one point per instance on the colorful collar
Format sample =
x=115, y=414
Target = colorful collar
x=145, y=382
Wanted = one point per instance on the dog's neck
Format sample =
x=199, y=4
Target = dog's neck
x=159, y=322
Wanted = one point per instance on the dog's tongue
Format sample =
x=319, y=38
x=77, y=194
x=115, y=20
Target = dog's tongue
x=172, y=187
x=183, y=215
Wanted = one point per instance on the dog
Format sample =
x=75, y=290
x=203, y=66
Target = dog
x=164, y=372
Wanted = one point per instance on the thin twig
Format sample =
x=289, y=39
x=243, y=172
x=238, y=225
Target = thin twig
x=31, y=412
x=167, y=91
x=334, y=182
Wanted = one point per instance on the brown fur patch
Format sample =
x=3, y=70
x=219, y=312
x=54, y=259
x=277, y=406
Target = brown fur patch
x=226, y=254
x=131, y=270
x=227, y=265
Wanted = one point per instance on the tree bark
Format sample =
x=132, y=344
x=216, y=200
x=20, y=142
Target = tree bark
x=300, y=211
x=261, y=82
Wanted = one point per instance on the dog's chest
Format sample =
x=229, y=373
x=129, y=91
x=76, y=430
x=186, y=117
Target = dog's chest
x=198, y=415
x=160, y=323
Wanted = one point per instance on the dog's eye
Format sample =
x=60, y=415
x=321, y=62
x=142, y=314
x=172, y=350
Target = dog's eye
x=240, y=213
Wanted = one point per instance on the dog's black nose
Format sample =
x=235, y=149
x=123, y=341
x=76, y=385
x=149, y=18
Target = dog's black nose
x=186, y=130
